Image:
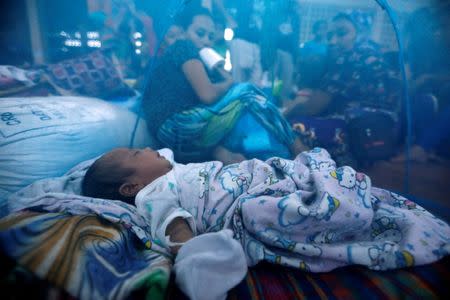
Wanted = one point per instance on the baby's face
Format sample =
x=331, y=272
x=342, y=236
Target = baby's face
x=146, y=164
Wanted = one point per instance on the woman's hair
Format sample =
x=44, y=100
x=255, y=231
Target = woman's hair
x=189, y=13
x=362, y=21
x=103, y=180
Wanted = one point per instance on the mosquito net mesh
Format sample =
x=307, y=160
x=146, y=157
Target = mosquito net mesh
x=227, y=80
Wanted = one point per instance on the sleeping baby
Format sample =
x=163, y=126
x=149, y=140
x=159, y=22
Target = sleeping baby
x=304, y=213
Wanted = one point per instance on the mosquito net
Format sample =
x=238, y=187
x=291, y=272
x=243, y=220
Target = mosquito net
x=229, y=80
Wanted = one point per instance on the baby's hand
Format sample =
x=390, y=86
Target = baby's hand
x=179, y=232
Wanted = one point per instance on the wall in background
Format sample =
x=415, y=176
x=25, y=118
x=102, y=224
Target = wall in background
x=15, y=47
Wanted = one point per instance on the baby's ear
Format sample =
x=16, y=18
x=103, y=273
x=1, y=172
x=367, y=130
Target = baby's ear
x=129, y=189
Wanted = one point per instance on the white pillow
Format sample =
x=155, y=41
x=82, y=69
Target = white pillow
x=43, y=137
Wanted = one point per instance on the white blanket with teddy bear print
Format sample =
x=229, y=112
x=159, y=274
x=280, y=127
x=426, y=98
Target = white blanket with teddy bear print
x=304, y=213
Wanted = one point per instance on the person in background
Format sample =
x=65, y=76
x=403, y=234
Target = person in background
x=279, y=46
x=265, y=43
x=245, y=19
x=221, y=19
x=131, y=37
x=318, y=46
x=173, y=34
x=311, y=60
x=363, y=22
x=353, y=74
x=220, y=44
x=428, y=60
x=192, y=109
x=355, y=77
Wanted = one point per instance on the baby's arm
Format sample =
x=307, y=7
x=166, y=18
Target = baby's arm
x=179, y=232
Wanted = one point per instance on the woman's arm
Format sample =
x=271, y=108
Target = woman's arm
x=206, y=91
x=179, y=232
x=307, y=103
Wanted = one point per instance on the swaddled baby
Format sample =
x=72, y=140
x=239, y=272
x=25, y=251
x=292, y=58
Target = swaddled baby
x=303, y=213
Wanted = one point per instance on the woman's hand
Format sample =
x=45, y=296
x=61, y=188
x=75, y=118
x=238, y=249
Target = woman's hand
x=307, y=103
x=303, y=96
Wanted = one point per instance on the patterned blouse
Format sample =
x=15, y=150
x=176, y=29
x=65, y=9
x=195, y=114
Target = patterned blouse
x=360, y=77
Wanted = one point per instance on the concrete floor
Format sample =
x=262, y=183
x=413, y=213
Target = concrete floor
x=428, y=181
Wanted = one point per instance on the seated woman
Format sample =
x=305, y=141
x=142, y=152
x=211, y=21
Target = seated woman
x=354, y=76
x=192, y=110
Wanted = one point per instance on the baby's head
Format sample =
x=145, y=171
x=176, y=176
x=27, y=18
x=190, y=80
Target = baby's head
x=121, y=173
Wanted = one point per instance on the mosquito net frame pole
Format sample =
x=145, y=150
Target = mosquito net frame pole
x=173, y=13
x=401, y=58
